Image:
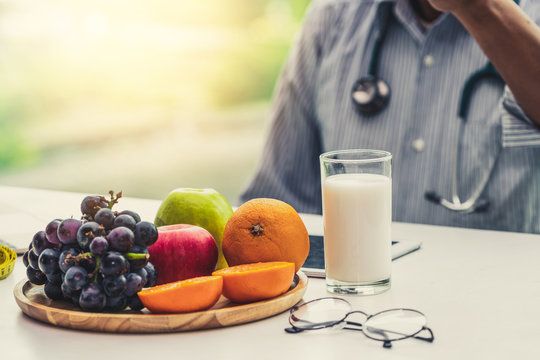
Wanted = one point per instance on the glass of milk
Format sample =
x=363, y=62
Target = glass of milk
x=357, y=215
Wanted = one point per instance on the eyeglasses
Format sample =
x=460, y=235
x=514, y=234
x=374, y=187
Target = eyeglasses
x=386, y=326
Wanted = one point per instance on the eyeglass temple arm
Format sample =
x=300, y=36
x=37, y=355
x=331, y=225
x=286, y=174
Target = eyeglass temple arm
x=428, y=339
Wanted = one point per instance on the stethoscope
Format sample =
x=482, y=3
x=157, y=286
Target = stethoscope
x=371, y=94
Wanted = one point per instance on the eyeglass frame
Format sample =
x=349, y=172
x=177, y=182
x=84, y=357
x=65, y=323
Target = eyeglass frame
x=328, y=324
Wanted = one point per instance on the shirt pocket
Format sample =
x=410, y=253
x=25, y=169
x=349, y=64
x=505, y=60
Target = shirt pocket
x=517, y=129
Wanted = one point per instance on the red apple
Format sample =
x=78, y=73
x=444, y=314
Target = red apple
x=182, y=252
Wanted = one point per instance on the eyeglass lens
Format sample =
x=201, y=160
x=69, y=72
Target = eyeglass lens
x=324, y=312
x=394, y=324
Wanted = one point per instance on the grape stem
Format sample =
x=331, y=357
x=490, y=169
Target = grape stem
x=96, y=269
x=135, y=256
x=114, y=198
x=82, y=256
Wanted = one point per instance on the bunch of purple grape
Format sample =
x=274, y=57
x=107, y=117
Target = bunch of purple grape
x=98, y=263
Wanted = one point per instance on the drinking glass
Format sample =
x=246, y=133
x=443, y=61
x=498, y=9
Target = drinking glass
x=357, y=216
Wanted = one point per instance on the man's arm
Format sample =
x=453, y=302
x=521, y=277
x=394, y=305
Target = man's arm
x=510, y=39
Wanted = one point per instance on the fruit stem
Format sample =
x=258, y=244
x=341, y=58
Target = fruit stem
x=82, y=256
x=135, y=256
x=114, y=199
x=96, y=269
x=257, y=229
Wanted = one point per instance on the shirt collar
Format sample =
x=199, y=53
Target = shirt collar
x=404, y=13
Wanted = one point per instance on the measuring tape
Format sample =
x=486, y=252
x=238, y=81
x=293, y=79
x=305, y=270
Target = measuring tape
x=7, y=261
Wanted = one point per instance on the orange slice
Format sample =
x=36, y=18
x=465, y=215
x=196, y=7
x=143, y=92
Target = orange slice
x=257, y=281
x=189, y=295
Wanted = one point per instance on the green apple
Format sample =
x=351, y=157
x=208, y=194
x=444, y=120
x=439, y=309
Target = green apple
x=201, y=207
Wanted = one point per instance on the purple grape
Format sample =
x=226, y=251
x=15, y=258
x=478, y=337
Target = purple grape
x=25, y=259
x=152, y=275
x=125, y=221
x=36, y=277
x=33, y=260
x=40, y=242
x=76, y=277
x=113, y=264
x=91, y=205
x=55, y=278
x=114, y=286
x=135, y=303
x=99, y=245
x=53, y=291
x=121, y=239
x=70, y=294
x=48, y=261
x=92, y=298
x=133, y=214
x=67, y=258
x=51, y=231
x=67, y=231
x=105, y=217
x=139, y=249
x=137, y=260
x=116, y=304
x=134, y=284
x=87, y=261
x=146, y=233
x=87, y=232
x=143, y=274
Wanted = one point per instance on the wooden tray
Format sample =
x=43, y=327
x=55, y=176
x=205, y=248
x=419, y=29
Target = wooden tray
x=34, y=303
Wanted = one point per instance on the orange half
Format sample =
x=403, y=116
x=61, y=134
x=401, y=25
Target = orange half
x=184, y=296
x=258, y=281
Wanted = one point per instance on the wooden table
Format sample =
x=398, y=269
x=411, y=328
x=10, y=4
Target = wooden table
x=479, y=289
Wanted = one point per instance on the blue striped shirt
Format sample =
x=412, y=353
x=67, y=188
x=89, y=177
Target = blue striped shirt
x=426, y=69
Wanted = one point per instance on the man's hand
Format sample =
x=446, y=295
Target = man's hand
x=509, y=38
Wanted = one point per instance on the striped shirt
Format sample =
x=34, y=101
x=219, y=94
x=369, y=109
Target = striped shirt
x=426, y=69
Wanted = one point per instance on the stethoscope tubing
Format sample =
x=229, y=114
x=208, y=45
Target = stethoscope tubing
x=369, y=87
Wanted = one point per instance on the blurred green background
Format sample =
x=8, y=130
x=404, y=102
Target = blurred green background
x=139, y=96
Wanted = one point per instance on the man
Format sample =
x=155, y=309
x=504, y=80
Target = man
x=428, y=53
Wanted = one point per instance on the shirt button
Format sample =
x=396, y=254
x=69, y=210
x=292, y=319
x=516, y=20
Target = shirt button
x=419, y=145
x=429, y=60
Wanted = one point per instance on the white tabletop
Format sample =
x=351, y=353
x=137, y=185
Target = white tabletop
x=479, y=289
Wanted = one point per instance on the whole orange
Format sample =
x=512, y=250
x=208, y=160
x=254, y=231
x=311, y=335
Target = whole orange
x=263, y=230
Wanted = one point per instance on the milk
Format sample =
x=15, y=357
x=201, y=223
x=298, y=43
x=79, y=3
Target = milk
x=357, y=211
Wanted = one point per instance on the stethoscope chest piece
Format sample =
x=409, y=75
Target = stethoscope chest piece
x=370, y=94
